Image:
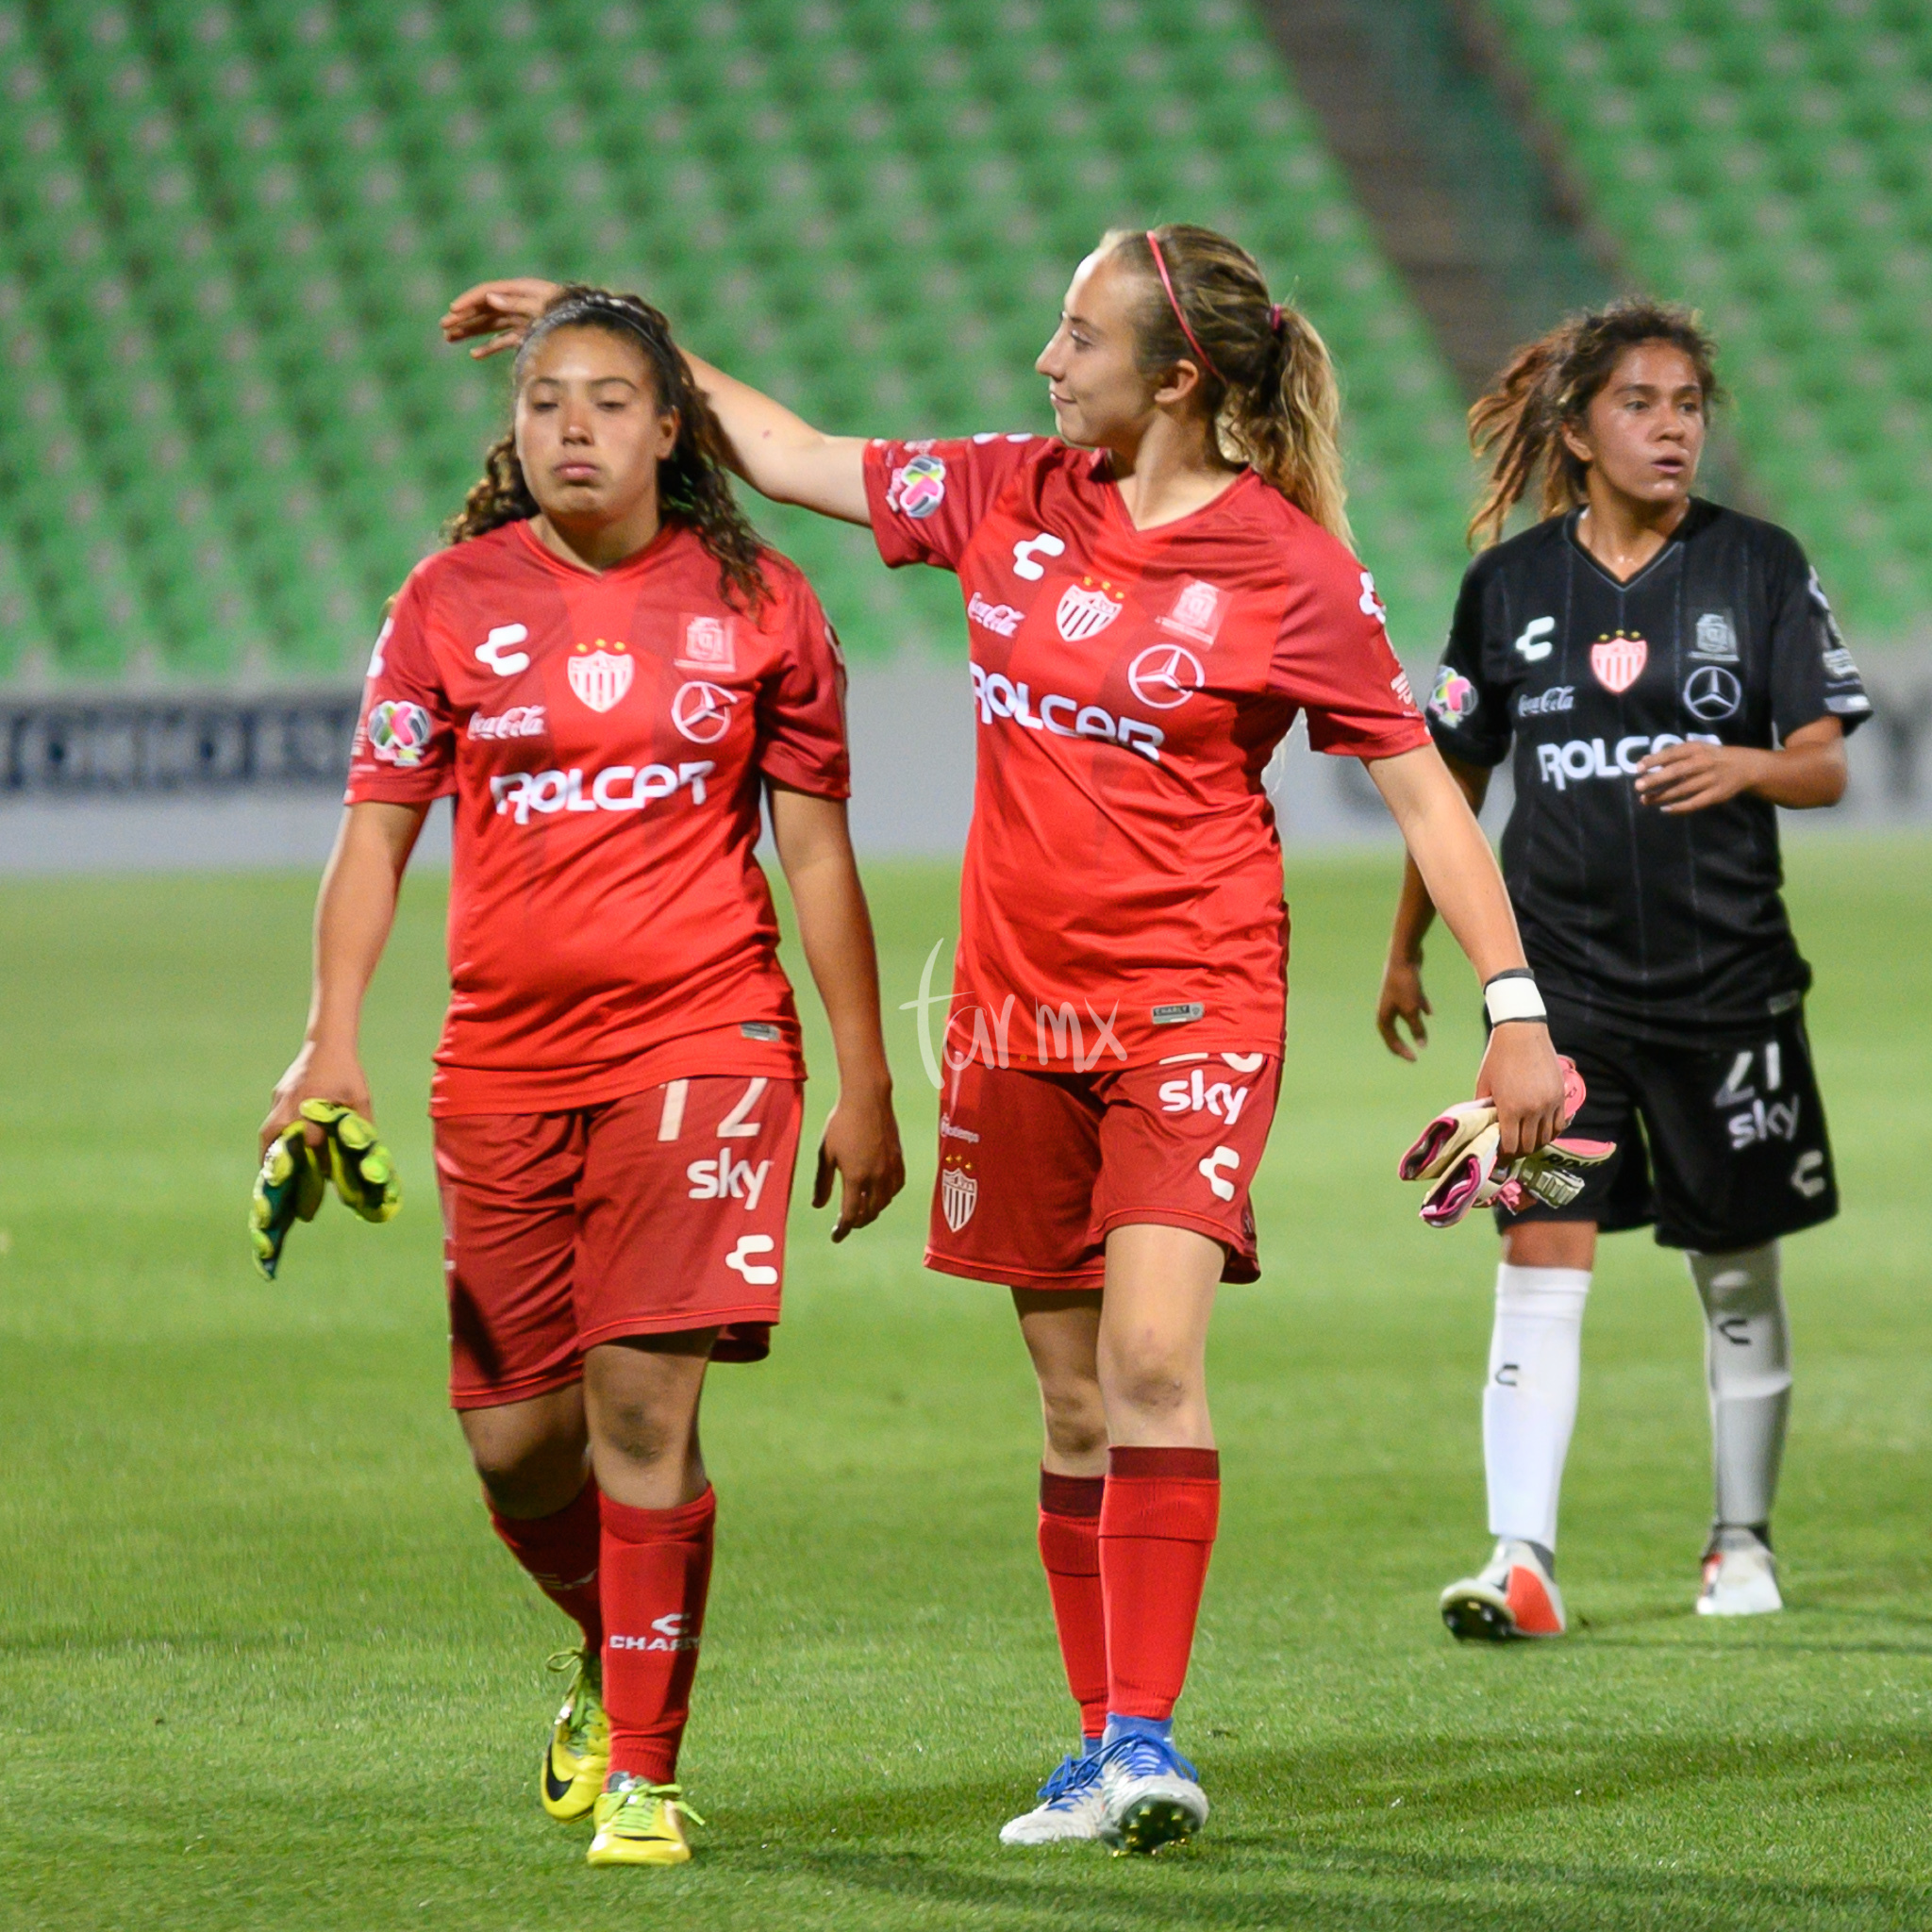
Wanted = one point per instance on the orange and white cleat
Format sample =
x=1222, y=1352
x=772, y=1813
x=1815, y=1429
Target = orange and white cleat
x=1514, y=1596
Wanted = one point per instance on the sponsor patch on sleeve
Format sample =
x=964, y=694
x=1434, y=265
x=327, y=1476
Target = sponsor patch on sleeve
x=1454, y=698
x=919, y=488
x=399, y=732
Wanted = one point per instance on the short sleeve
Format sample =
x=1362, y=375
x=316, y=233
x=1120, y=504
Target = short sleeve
x=928, y=498
x=1812, y=675
x=801, y=706
x=1334, y=660
x=405, y=747
x=1469, y=715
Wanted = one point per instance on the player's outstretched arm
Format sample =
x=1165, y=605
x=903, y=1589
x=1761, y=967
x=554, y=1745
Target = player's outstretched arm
x=781, y=454
x=1520, y=1071
x=352, y=915
x=1402, y=997
x=861, y=1140
x=1808, y=771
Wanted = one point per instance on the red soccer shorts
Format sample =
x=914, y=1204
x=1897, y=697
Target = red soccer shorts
x=649, y=1215
x=1036, y=1168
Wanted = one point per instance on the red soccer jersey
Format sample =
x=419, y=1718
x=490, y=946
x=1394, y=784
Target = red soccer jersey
x=1122, y=885
x=604, y=738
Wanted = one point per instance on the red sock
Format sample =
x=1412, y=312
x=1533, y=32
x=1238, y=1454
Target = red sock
x=655, y=1570
x=1070, y=1548
x=1156, y=1532
x=560, y=1554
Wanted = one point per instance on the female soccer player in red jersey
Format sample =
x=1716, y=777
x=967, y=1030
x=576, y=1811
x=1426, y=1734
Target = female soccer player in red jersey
x=1667, y=673
x=608, y=673
x=1151, y=598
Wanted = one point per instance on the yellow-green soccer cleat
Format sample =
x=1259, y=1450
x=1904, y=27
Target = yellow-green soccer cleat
x=640, y=1824
x=289, y=1189
x=357, y=1162
x=579, y=1754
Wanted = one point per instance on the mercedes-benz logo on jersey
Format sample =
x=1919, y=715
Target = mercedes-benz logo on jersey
x=1165, y=675
x=1711, y=692
x=703, y=711
x=1086, y=609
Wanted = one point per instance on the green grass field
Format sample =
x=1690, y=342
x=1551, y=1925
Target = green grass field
x=263, y=1664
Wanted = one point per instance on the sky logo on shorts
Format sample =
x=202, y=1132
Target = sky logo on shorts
x=399, y=732
x=919, y=488
x=725, y=1179
x=1222, y=1100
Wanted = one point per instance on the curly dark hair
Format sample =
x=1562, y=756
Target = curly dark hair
x=692, y=486
x=1517, y=428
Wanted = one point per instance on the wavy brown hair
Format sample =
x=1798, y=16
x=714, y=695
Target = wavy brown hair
x=692, y=486
x=1271, y=392
x=1549, y=384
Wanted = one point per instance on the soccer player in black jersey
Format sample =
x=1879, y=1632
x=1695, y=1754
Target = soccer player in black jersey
x=1668, y=672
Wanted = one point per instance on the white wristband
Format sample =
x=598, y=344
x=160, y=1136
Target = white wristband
x=1513, y=996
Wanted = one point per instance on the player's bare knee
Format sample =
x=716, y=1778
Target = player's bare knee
x=526, y=1475
x=1074, y=1417
x=1153, y=1392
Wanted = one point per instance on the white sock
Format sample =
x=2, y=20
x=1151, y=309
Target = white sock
x=1747, y=1359
x=1529, y=1402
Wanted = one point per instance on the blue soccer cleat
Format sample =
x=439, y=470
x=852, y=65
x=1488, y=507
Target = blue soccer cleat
x=1070, y=1805
x=1151, y=1793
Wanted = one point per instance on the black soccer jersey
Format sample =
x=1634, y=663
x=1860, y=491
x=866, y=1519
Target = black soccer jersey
x=1659, y=926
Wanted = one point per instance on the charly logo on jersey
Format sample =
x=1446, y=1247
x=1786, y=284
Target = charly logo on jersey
x=1711, y=692
x=1165, y=675
x=600, y=674
x=499, y=650
x=1027, y=553
x=1618, y=661
x=709, y=644
x=1716, y=637
x=919, y=488
x=1199, y=609
x=399, y=732
x=702, y=711
x=959, y=1195
x=1087, y=608
x=1369, y=604
x=1454, y=698
x=1534, y=644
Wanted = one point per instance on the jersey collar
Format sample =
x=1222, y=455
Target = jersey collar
x=638, y=561
x=1693, y=520
x=1100, y=471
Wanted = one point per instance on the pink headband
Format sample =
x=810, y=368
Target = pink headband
x=1159, y=263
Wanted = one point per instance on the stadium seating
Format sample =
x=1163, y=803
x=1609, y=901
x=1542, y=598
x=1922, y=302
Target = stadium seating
x=232, y=224
x=1769, y=160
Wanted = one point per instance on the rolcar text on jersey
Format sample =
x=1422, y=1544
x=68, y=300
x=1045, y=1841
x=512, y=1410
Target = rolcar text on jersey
x=617, y=787
x=1065, y=717
x=1570, y=763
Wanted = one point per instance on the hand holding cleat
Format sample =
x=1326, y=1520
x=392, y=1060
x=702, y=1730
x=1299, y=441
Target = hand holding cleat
x=289, y=1189
x=357, y=1162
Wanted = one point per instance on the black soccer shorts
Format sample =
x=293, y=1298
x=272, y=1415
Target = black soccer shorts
x=1720, y=1145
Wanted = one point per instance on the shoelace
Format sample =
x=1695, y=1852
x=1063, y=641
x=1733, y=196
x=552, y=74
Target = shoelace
x=672, y=1797
x=1140, y=1757
x=581, y=1717
x=1075, y=1772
